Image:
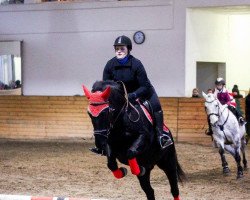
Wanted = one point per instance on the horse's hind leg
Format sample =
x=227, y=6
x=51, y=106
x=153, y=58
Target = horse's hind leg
x=146, y=186
x=235, y=152
x=243, y=148
x=170, y=170
x=173, y=181
x=226, y=169
x=238, y=161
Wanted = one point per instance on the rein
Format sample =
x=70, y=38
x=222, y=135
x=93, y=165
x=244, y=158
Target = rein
x=222, y=127
x=127, y=103
x=120, y=112
x=102, y=132
x=125, y=107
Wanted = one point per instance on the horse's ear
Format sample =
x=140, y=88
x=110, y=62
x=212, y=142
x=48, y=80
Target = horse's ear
x=86, y=91
x=106, y=92
x=204, y=95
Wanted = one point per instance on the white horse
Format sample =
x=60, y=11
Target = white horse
x=227, y=133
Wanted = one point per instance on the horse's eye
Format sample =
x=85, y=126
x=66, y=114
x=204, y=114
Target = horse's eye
x=111, y=109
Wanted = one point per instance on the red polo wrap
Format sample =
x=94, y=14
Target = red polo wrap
x=135, y=169
x=118, y=174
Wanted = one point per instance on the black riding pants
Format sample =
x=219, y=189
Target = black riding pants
x=235, y=112
x=155, y=102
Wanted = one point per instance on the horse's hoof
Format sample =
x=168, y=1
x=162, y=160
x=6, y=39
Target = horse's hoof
x=226, y=170
x=245, y=168
x=239, y=175
x=124, y=171
x=142, y=171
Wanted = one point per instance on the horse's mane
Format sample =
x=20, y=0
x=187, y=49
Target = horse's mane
x=211, y=97
x=102, y=85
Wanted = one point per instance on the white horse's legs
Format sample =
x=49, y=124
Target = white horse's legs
x=238, y=161
x=243, y=147
x=235, y=152
x=225, y=167
x=230, y=150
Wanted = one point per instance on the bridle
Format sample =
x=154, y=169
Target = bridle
x=101, y=132
x=218, y=115
x=106, y=132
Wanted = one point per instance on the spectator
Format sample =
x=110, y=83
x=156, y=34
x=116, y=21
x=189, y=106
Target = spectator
x=18, y=84
x=12, y=85
x=195, y=93
x=210, y=91
x=236, y=92
x=247, y=113
x=6, y=87
x=1, y=85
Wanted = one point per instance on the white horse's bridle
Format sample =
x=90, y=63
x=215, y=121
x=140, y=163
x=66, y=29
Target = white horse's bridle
x=218, y=114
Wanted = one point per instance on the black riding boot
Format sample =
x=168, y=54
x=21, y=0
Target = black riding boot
x=163, y=139
x=237, y=114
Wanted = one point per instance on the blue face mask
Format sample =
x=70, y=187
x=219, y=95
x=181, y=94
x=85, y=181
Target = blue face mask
x=123, y=60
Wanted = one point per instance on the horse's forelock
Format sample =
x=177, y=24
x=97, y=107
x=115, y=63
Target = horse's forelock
x=210, y=97
x=102, y=85
x=97, y=86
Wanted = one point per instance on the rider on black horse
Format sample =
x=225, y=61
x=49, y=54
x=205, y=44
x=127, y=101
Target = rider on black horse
x=126, y=68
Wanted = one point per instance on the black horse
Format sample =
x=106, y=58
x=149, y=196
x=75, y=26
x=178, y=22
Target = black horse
x=118, y=125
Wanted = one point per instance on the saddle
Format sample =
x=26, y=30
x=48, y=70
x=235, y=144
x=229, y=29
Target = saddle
x=149, y=113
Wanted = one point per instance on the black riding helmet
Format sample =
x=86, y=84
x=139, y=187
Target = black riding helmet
x=220, y=81
x=123, y=41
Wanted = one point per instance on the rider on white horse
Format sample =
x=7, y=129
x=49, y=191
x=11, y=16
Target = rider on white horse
x=225, y=98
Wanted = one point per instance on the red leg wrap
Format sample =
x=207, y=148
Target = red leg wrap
x=135, y=169
x=177, y=198
x=118, y=173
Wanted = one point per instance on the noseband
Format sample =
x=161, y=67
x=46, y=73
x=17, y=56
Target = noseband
x=102, y=132
x=216, y=114
x=105, y=132
x=105, y=105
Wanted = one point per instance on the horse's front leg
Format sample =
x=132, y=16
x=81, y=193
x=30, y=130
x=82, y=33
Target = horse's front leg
x=225, y=167
x=137, y=148
x=146, y=186
x=113, y=166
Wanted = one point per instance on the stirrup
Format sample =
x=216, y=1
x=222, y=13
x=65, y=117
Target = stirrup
x=166, y=143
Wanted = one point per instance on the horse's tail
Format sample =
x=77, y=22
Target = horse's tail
x=181, y=175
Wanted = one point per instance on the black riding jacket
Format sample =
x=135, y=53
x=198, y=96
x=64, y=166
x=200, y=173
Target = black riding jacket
x=132, y=74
